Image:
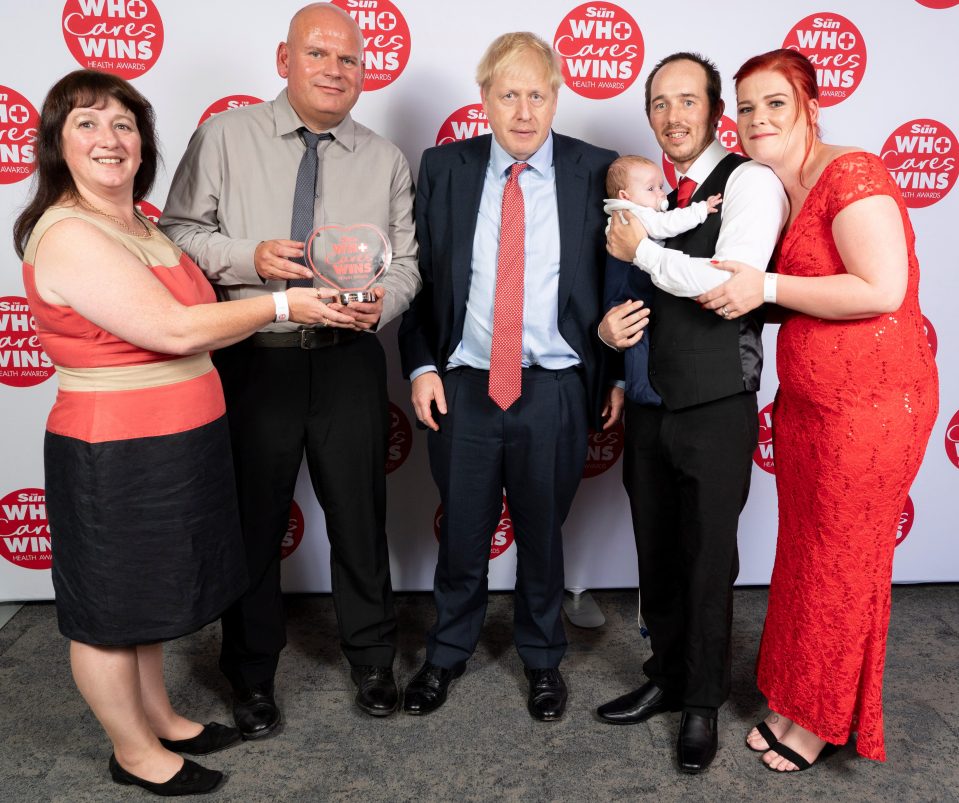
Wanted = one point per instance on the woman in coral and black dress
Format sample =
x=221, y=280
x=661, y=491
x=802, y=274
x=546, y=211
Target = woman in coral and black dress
x=857, y=400
x=139, y=478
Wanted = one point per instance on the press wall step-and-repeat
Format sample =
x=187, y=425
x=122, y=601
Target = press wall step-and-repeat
x=885, y=72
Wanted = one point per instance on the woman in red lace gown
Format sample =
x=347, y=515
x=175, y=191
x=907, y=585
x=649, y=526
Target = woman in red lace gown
x=857, y=399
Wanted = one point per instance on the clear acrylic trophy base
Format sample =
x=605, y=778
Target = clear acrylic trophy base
x=359, y=296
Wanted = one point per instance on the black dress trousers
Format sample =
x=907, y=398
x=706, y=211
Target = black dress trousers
x=331, y=404
x=687, y=474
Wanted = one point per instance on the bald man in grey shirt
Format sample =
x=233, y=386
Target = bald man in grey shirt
x=320, y=391
x=234, y=189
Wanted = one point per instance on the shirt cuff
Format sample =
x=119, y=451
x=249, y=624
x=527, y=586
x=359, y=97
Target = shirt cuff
x=601, y=341
x=242, y=261
x=423, y=369
x=648, y=255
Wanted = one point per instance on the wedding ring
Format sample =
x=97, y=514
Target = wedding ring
x=724, y=312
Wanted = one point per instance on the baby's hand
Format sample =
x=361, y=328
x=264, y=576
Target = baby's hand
x=713, y=201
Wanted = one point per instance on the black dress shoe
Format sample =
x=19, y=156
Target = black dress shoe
x=427, y=689
x=190, y=779
x=547, y=693
x=255, y=711
x=213, y=737
x=698, y=739
x=638, y=706
x=376, y=692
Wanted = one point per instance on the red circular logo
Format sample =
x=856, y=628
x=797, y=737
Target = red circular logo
x=502, y=538
x=835, y=48
x=603, y=449
x=921, y=156
x=728, y=135
x=18, y=135
x=602, y=50
x=225, y=104
x=930, y=332
x=149, y=211
x=466, y=122
x=906, y=519
x=386, y=38
x=24, y=531
x=123, y=37
x=763, y=455
x=294, y=532
x=400, y=439
x=938, y=3
x=952, y=440
x=23, y=362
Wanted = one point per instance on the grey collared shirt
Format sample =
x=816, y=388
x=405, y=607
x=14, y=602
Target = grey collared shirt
x=234, y=188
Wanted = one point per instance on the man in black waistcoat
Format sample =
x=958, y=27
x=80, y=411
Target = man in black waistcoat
x=688, y=461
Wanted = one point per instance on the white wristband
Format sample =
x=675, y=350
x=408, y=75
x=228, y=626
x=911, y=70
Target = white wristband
x=769, y=288
x=282, y=305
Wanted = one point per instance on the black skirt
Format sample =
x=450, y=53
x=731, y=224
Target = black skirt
x=145, y=534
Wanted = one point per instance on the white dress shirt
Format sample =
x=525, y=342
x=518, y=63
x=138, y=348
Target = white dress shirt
x=754, y=211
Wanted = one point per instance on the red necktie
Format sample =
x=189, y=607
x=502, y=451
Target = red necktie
x=506, y=355
x=684, y=191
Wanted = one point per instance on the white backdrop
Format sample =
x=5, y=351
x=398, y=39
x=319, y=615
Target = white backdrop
x=885, y=67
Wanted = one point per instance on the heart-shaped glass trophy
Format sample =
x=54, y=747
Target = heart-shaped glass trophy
x=348, y=259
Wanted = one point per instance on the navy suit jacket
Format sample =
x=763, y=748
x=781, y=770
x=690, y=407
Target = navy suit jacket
x=448, y=194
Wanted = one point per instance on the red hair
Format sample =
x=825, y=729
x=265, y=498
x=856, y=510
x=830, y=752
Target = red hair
x=801, y=76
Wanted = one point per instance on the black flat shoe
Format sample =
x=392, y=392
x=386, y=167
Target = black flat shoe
x=638, y=706
x=212, y=738
x=190, y=779
x=698, y=740
x=255, y=711
x=547, y=694
x=428, y=688
x=376, y=692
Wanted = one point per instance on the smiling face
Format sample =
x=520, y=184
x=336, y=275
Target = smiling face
x=773, y=126
x=644, y=186
x=520, y=104
x=101, y=148
x=679, y=112
x=322, y=62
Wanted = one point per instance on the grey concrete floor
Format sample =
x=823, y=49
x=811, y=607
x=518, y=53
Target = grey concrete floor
x=7, y=610
x=482, y=745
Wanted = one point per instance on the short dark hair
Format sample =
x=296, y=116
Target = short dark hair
x=82, y=89
x=714, y=82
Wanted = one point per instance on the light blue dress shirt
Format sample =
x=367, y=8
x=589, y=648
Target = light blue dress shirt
x=542, y=343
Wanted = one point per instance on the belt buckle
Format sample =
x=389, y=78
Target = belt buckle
x=307, y=338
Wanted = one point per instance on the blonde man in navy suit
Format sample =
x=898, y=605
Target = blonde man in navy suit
x=535, y=448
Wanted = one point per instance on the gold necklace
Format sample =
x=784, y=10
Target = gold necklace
x=147, y=231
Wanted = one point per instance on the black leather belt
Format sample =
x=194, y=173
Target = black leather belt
x=318, y=338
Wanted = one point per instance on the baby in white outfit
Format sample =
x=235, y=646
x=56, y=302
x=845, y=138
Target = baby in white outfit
x=635, y=184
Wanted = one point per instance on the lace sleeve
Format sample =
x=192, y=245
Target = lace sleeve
x=855, y=176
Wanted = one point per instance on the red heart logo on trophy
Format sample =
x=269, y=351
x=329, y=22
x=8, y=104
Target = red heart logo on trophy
x=349, y=259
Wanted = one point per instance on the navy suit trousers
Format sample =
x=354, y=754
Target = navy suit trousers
x=535, y=451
